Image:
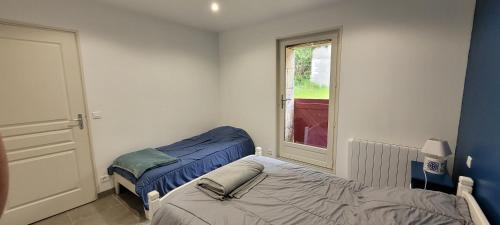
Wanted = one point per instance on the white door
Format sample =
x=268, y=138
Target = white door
x=308, y=98
x=41, y=100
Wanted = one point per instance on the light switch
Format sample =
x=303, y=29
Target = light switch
x=96, y=115
x=469, y=162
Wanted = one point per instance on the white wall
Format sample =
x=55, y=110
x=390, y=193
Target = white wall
x=155, y=82
x=401, y=74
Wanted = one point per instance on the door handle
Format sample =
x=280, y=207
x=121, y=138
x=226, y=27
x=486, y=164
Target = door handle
x=79, y=120
x=283, y=100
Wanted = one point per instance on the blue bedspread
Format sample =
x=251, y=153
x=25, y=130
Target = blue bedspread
x=197, y=156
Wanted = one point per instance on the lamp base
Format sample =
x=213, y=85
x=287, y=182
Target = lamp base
x=434, y=165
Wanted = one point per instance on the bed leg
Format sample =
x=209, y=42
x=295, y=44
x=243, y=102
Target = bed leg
x=154, y=204
x=117, y=186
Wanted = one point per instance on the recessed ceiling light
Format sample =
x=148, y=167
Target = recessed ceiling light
x=214, y=7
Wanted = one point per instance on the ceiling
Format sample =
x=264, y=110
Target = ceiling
x=232, y=13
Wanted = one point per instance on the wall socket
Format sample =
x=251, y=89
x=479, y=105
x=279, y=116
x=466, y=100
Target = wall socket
x=104, y=178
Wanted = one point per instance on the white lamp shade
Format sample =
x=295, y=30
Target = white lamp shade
x=436, y=147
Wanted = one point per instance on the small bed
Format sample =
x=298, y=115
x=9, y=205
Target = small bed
x=196, y=156
x=293, y=194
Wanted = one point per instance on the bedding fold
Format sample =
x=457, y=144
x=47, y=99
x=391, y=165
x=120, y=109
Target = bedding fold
x=140, y=161
x=232, y=180
x=246, y=187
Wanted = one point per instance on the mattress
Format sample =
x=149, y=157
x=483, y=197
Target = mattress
x=293, y=194
x=197, y=156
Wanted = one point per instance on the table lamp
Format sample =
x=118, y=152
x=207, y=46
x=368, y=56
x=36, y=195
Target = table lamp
x=436, y=151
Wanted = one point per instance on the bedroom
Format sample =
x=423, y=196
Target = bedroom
x=148, y=74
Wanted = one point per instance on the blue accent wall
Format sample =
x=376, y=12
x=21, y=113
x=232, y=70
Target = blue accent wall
x=479, y=131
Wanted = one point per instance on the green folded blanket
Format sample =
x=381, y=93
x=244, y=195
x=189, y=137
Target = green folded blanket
x=138, y=162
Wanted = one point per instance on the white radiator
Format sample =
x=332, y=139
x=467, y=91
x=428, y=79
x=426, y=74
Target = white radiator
x=380, y=164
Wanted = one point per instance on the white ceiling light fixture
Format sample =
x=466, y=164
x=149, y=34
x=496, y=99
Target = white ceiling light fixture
x=214, y=7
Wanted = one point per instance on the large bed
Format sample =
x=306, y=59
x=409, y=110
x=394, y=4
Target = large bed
x=293, y=194
x=196, y=156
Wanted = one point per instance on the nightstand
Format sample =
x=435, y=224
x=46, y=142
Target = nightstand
x=435, y=182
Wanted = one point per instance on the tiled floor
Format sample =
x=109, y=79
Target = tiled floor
x=110, y=209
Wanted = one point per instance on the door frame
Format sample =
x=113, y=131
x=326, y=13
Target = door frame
x=336, y=36
x=86, y=115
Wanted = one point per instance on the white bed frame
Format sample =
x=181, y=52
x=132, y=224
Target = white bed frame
x=464, y=190
x=154, y=200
